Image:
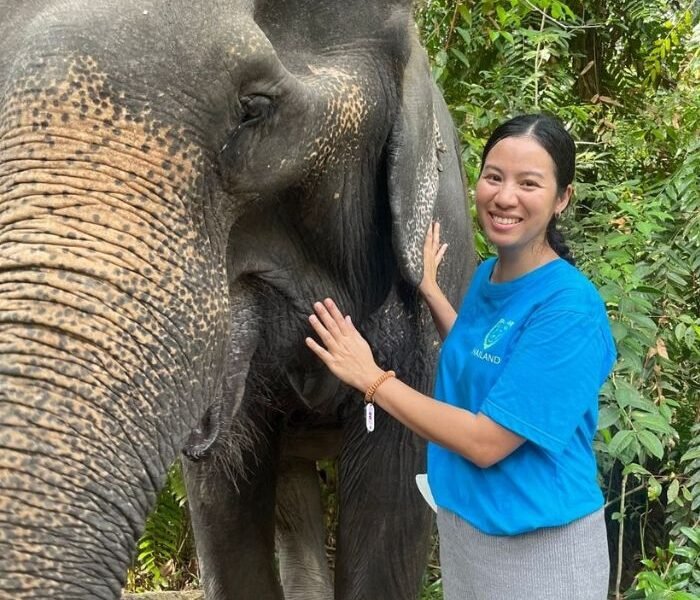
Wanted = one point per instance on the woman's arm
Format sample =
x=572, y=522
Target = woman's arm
x=349, y=357
x=474, y=436
x=444, y=315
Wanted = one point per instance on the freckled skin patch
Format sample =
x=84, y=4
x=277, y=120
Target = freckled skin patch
x=109, y=274
x=422, y=213
x=344, y=119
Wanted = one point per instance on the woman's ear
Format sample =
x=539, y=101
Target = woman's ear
x=413, y=165
x=563, y=200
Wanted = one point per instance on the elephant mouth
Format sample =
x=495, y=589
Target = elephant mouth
x=226, y=412
x=202, y=440
x=217, y=422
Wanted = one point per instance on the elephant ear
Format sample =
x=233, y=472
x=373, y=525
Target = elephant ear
x=413, y=165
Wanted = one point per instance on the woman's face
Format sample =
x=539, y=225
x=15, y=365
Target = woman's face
x=516, y=194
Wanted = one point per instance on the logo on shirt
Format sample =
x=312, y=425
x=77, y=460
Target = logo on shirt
x=497, y=332
x=481, y=355
x=492, y=337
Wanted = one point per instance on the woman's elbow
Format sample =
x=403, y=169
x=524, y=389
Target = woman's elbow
x=486, y=460
x=487, y=455
x=480, y=456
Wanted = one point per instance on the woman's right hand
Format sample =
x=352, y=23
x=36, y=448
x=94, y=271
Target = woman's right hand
x=433, y=253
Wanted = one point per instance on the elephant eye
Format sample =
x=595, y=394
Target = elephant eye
x=254, y=109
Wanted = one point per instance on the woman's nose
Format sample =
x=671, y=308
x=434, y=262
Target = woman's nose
x=506, y=196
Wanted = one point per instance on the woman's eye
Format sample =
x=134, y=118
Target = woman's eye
x=529, y=183
x=492, y=177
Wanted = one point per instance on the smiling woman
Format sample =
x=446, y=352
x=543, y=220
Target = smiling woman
x=515, y=404
x=178, y=182
x=525, y=184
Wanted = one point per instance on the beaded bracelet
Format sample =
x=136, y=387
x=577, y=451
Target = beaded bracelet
x=369, y=398
x=372, y=389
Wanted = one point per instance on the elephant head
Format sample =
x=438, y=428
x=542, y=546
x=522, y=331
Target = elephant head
x=178, y=182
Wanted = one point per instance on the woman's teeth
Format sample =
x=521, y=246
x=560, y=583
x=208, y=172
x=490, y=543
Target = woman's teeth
x=506, y=220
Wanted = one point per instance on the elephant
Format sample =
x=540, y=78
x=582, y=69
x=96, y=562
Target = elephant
x=179, y=182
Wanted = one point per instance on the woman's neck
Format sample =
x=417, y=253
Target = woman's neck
x=515, y=263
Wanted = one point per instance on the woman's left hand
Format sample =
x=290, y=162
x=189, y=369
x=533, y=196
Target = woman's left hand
x=344, y=351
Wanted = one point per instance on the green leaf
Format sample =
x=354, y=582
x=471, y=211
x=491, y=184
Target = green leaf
x=608, y=416
x=692, y=534
x=685, y=552
x=619, y=330
x=651, y=443
x=460, y=56
x=648, y=290
x=654, y=423
x=631, y=359
x=680, y=331
x=642, y=320
x=621, y=440
x=687, y=494
x=692, y=454
x=466, y=36
x=636, y=469
x=502, y=15
x=680, y=570
x=672, y=491
x=626, y=396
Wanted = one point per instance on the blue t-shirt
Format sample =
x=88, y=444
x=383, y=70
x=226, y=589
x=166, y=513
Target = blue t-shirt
x=531, y=354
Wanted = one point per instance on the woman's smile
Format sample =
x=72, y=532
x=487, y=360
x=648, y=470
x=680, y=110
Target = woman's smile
x=505, y=222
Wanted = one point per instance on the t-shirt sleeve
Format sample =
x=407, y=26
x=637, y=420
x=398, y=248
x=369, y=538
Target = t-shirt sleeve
x=551, y=379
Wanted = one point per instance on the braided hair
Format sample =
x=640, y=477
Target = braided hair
x=551, y=135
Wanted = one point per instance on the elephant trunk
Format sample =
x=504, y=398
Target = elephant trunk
x=113, y=323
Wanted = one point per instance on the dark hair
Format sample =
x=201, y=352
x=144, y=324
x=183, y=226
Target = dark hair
x=551, y=135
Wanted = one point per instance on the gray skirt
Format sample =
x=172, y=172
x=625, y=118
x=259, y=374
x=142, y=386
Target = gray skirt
x=556, y=563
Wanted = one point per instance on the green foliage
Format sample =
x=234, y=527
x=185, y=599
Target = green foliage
x=166, y=557
x=432, y=580
x=623, y=75
x=678, y=566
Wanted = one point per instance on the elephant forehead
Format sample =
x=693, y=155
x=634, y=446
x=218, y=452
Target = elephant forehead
x=249, y=42
x=83, y=107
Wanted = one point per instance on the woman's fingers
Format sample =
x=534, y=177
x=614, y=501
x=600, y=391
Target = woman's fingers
x=329, y=323
x=436, y=235
x=325, y=336
x=325, y=316
x=432, y=240
x=440, y=254
x=341, y=347
x=429, y=243
x=319, y=350
x=336, y=315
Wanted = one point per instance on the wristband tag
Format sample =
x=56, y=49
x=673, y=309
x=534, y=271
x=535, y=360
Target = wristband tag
x=369, y=417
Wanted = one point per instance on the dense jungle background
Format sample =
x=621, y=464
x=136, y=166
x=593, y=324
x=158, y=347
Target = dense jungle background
x=624, y=75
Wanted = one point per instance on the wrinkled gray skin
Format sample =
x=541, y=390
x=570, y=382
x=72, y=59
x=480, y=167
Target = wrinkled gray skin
x=178, y=182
